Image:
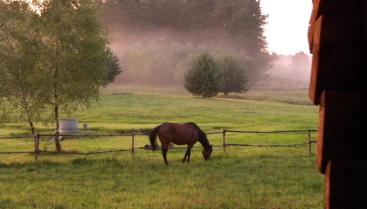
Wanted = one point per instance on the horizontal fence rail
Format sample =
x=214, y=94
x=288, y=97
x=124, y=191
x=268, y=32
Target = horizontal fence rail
x=37, y=151
x=268, y=145
x=270, y=132
x=16, y=137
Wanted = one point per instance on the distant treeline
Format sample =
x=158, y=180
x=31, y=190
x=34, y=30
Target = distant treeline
x=296, y=67
x=234, y=25
x=240, y=20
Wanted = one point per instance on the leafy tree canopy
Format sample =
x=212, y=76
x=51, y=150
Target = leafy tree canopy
x=113, y=67
x=203, y=78
x=232, y=75
x=20, y=52
x=53, y=59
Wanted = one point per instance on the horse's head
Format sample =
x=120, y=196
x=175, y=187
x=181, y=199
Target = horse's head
x=207, y=151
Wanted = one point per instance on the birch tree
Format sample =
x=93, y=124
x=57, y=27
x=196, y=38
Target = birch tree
x=75, y=56
x=20, y=51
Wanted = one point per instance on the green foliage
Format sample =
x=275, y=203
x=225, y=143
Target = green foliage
x=233, y=75
x=113, y=67
x=74, y=57
x=20, y=51
x=203, y=78
x=3, y=111
x=54, y=60
x=208, y=77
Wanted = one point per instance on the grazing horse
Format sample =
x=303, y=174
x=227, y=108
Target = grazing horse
x=188, y=133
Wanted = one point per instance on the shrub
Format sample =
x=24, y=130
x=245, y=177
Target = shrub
x=232, y=76
x=203, y=78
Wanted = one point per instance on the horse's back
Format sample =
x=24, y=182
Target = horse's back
x=167, y=129
x=178, y=133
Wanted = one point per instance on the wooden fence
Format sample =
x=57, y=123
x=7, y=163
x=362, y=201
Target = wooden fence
x=37, y=151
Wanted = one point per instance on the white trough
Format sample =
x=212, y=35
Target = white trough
x=68, y=126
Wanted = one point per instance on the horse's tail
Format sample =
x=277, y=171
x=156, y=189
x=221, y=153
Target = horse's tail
x=153, y=137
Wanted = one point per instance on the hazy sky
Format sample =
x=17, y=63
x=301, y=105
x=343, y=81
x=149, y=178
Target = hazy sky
x=286, y=31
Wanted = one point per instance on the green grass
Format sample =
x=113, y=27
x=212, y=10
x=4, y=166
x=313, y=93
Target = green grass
x=286, y=96
x=240, y=178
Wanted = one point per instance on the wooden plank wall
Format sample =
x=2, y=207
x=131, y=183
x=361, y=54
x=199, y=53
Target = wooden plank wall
x=337, y=37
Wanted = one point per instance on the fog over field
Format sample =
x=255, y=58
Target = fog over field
x=293, y=67
x=156, y=41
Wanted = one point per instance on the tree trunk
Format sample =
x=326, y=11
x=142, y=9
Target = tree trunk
x=35, y=138
x=30, y=122
x=57, y=133
x=56, y=107
x=33, y=130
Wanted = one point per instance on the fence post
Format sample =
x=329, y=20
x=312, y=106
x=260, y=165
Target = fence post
x=133, y=144
x=36, y=146
x=309, y=143
x=224, y=140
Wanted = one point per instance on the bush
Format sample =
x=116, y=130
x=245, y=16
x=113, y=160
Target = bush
x=203, y=78
x=232, y=76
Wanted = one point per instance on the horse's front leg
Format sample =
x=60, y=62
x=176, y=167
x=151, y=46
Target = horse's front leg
x=186, y=154
x=164, y=153
x=189, y=152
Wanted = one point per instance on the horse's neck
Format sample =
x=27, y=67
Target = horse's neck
x=204, y=141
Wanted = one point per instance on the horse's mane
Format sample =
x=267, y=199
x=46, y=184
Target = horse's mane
x=202, y=136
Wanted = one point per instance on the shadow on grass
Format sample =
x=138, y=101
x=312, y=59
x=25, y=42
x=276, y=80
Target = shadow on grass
x=5, y=203
x=144, y=161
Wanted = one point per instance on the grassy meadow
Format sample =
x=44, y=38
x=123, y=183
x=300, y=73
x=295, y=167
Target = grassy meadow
x=249, y=177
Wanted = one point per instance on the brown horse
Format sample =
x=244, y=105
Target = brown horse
x=188, y=133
